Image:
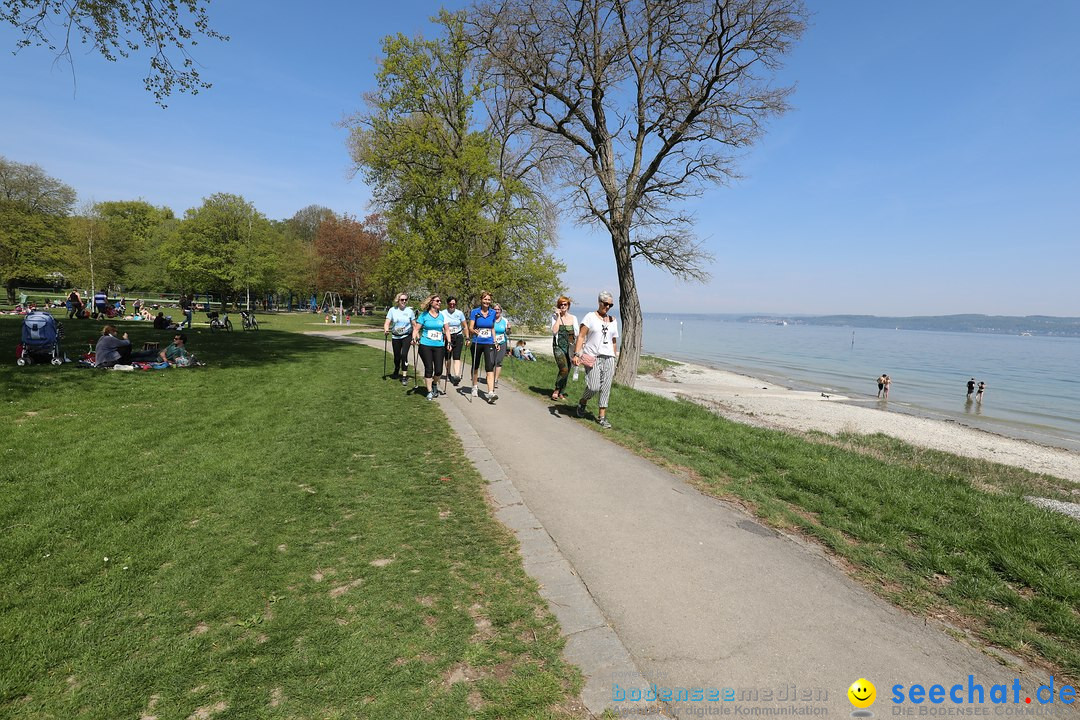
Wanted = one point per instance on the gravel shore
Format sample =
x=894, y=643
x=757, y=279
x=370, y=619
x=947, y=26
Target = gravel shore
x=757, y=402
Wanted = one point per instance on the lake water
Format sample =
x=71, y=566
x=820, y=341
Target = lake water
x=1032, y=383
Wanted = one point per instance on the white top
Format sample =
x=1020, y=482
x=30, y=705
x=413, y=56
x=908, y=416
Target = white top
x=454, y=319
x=555, y=322
x=400, y=320
x=599, y=336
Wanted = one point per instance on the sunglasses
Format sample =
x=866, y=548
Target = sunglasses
x=607, y=304
x=402, y=299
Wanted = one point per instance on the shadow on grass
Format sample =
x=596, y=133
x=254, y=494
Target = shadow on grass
x=220, y=350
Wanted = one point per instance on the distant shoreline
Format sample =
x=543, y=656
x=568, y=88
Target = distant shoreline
x=1033, y=325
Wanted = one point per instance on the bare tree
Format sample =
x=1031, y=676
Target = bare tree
x=640, y=103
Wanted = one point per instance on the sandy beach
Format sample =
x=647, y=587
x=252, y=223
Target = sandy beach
x=757, y=402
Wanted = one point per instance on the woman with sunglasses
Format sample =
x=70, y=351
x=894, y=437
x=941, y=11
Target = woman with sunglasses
x=482, y=334
x=563, y=336
x=431, y=332
x=502, y=341
x=455, y=319
x=398, y=325
x=597, y=349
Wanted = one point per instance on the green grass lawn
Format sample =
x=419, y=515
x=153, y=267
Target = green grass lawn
x=279, y=534
x=937, y=534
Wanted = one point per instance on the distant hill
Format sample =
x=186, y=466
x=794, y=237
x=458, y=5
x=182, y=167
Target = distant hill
x=998, y=324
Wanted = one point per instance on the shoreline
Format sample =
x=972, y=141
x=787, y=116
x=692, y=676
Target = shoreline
x=754, y=401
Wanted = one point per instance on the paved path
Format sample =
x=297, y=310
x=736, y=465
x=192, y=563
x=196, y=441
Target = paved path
x=648, y=575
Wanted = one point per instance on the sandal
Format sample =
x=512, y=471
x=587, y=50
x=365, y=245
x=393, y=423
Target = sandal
x=556, y=396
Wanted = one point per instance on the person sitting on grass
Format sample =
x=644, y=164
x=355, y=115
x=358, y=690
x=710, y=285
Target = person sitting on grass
x=177, y=354
x=164, y=322
x=523, y=353
x=112, y=350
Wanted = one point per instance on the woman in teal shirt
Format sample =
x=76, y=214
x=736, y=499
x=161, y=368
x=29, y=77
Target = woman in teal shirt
x=431, y=332
x=502, y=341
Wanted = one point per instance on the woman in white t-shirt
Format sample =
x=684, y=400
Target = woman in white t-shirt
x=597, y=343
x=399, y=326
x=456, y=320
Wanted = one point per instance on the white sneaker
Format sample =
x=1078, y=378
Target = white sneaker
x=475, y=391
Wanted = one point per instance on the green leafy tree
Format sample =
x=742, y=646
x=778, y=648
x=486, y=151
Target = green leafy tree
x=640, y=104
x=203, y=254
x=149, y=270
x=31, y=246
x=166, y=29
x=33, y=224
x=28, y=187
x=460, y=213
x=124, y=244
x=299, y=262
x=304, y=225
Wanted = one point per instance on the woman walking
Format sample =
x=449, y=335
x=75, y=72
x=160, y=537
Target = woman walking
x=398, y=325
x=563, y=335
x=455, y=319
x=597, y=349
x=502, y=341
x=482, y=334
x=431, y=332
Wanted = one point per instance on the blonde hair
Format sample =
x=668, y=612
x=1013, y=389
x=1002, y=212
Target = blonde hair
x=426, y=305
x=480, y=297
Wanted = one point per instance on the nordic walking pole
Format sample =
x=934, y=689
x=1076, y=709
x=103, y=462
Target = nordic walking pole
x=446, y=374
x=468, y=396
x=385, y=339
x=415, y=362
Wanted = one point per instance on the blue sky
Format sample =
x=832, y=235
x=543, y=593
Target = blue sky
x=929, y=165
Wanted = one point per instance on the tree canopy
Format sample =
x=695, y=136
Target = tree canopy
x=33, y=222
x=225, y=246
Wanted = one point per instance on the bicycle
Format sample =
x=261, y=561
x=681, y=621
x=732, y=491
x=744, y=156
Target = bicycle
x=219, y=321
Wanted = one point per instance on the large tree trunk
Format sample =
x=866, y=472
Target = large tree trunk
x=629, y=309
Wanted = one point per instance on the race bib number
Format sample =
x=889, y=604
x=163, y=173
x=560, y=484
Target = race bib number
x=500, y=338
x=483, y=333
x=435, y=335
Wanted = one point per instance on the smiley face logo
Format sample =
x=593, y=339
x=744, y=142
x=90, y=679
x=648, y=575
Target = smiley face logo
x=862, y=693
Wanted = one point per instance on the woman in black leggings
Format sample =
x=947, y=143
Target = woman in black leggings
x=399, y=325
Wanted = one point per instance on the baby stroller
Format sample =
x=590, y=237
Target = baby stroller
x=250, y=323
x=41, y=336
x=219, y=322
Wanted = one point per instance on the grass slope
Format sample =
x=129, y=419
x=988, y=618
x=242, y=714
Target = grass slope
x=286, y=536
